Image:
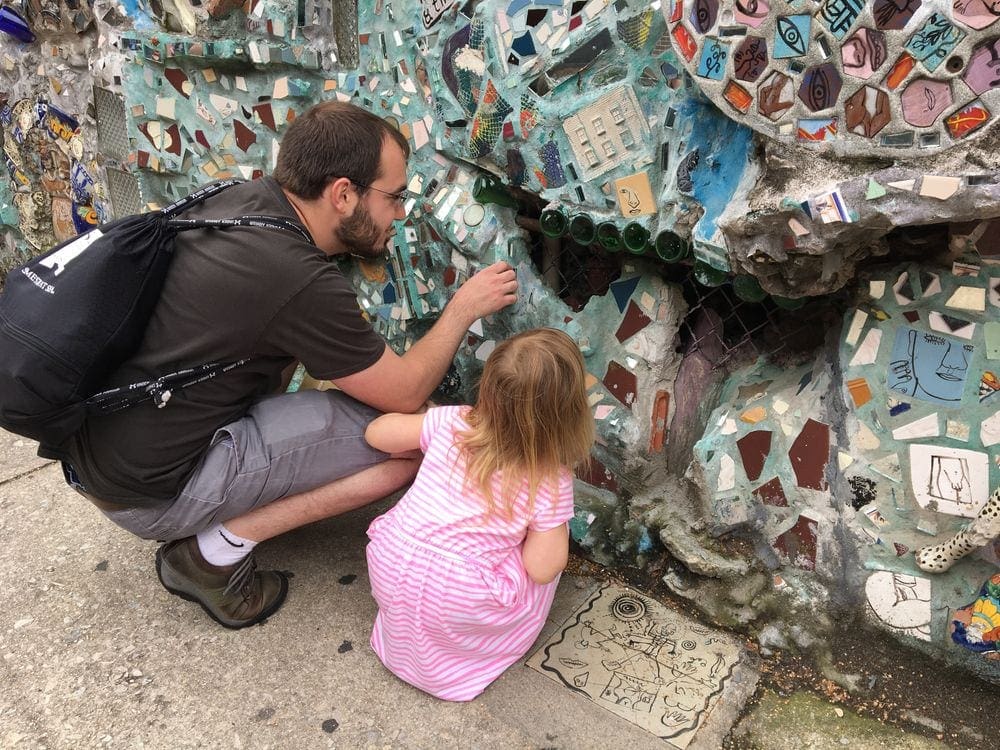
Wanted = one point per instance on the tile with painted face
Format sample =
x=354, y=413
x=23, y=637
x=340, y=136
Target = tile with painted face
x=929, y=366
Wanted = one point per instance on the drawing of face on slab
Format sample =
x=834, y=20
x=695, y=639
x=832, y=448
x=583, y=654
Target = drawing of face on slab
x=929, y=366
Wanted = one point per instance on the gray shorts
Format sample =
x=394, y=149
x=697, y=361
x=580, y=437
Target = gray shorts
x=286, y=444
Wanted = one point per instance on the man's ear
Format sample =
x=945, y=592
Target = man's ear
x=341, y=195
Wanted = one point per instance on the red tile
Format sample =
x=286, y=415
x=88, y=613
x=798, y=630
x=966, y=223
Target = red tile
x=754, y=449
x=810, y=454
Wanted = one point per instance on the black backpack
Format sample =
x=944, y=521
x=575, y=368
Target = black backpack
x=71, y=317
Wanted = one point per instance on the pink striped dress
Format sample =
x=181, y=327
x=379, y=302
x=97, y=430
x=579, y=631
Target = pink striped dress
x=456, y=606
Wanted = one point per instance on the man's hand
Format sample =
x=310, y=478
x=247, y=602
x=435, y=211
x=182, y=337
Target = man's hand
x=490, y=290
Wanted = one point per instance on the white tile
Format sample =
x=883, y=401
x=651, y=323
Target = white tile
x=968, y=298
x=868, y=351
x=924, y=427
x=727, y=473
x=901, y=602
x=949, y=480
x=857, y=324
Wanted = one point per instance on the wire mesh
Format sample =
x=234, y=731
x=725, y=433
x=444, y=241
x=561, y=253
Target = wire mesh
x=112, y=130
x=725, y=328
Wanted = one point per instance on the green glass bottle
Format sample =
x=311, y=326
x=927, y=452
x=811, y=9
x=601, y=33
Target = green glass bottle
x=788, y=303
x=706, y=275
x=635, y=237
x=553, y=222
x=487, y=189
x=671, y=247
x=609, y=237
x=582, y=229
x=747, y=288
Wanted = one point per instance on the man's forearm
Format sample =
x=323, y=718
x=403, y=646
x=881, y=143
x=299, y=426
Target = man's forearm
x=428, y=359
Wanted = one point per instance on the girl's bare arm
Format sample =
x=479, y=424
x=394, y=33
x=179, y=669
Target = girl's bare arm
x=545, y=553
x=395, y=433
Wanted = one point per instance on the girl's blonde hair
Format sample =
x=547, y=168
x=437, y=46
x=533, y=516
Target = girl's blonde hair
x=531, y=416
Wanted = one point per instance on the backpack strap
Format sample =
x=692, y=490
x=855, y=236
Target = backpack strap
x=199, y=195
x=158, y=391
x=267, y=222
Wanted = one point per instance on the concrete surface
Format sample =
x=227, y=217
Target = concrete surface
x=94, y=653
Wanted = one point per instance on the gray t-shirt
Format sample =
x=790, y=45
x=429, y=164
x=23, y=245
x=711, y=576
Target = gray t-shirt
x=229, y=294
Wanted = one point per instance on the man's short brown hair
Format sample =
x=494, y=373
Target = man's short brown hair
x=331, y=140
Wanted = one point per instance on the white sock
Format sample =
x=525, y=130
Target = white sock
x=220, y=546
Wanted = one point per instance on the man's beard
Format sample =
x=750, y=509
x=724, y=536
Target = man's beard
x=361, y=236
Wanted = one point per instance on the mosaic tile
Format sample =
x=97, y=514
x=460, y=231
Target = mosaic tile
x=860, y=392
x=888, y=467
x=659, y=421
x=981, y=73
x=754, y=448
x=989, y=430
x=928, y=367
x=949, y=480
x=901, y=602
x=598, y=475
x=809, y=455
x=634, y=321
x=930, y=283
x=934, y=41
x=772, y=493
x=867, y=352
x=857, y=325
x=968, y=119
x=635, y=196
x=867, y=111
x=863, y=53
x=753, y=416
x=791, y=36
x=957, y=430
x=820, y=87
x=924, y=100
x=641, y=661
x=819, y=129
x=738, y=96
x=939, y=187
x=830, y=206
x=839, y=15
x=976, y=626
x=865, y=439
x=873, y=191
x=712, y=64
x=750, y=58
x=797, y=546
x=951, y=325
x=925, y=427
x=968, y=298
x=726, y=479
x=621, y=383
x=623, y=291
x=992, y=333
x=976, y=14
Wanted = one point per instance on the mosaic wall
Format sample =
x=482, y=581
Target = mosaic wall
x=593, y=110
x=896, y=444
x=883, y=77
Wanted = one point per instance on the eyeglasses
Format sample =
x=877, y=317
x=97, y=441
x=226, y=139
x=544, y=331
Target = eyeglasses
x=399, y=197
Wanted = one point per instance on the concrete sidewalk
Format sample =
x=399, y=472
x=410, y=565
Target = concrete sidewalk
x=95, y=653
